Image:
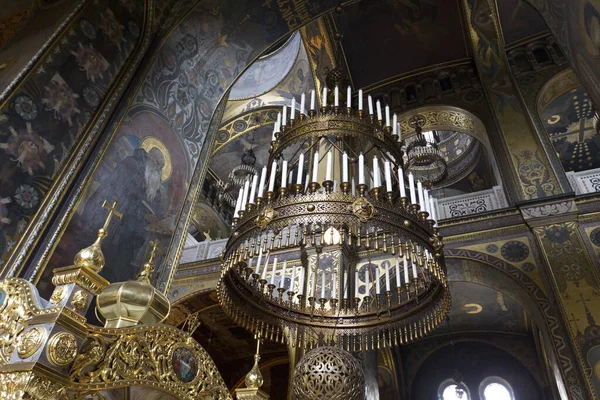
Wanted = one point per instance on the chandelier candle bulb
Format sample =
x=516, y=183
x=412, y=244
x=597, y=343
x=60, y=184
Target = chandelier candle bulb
x=263, y=178
x=405, y=271
x=370, y=101
x=302, y=103
x=379, y=115
x=264, y=271
x=315, y=172
x=414, y=269
x=301, y=283
x=388, y=176
x=323, y=284
x=325, y=96
x=345, y=288
x=360, y=100
x=272, y=177
x=398, y=282
x=399, y=132
x=293, y=280
x=433, y=210
x=260, y=254
x=333, y=286
x=284, y=173
x=349, y=97
x=273, y=271
x=356, y=285
x=376, y=173
x=411, y=185
x=281, y=282
x=401, y=182
x=328, y=171
x=293, y=109
x=253, y=189
x=238, y=204
x=361, y=169
x=395, y=124
x=377, y=281
x=336, y=97
x=312, y=99
x=387, y=116
x=245, y=194
x=278, y=123
x=420, y=192
x=300, y=168
x=426, y=201
x=387, y=277
x=344, y=167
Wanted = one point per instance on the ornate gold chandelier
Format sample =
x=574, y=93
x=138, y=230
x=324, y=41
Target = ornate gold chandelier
x=325, y=251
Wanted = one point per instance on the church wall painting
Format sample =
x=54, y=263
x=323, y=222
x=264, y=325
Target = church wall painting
x=47, y=114
x=576, y=26
x=191, y=72
x=535, y=177
x=146, y=164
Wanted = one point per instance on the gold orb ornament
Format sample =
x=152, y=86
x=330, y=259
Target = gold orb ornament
x=62, y=349
x=329, y=373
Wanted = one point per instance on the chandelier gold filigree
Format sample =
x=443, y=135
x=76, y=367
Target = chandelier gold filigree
x=327, y=251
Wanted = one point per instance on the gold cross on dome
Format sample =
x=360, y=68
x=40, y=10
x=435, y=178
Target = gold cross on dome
x=111, y=210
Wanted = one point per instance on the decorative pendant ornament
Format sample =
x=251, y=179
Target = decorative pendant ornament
x=329, y=373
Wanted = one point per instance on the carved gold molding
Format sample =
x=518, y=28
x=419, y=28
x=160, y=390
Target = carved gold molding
x=558, y=85
x=441, y=117
x=62, y=349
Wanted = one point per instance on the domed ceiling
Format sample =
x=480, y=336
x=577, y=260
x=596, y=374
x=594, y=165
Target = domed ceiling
x=383, y=39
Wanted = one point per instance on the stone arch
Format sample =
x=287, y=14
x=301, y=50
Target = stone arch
x=543, y=310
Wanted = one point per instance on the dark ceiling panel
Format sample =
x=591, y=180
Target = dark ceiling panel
x=519, y=20
x=385, y=38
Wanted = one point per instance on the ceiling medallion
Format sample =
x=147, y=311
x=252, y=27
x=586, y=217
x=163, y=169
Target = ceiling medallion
x=30, y=341
x=62, y=349
x=337, y=242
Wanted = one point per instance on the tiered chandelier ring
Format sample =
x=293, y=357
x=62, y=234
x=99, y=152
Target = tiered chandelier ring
x=291, y=268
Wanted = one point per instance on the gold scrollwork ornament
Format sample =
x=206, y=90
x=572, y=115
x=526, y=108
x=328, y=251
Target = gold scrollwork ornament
x=79, y=300
x=265, y=217
x=30, y=341
x=62, y=349
x=362, y=209
x=58, y=295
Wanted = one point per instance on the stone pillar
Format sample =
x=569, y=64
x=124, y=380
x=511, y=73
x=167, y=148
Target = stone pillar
x=531, y=168
x=576, y=285
x=371, y=374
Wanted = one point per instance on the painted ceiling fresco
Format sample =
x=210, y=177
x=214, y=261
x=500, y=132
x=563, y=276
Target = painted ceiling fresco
x=569, y=120
x=297, y=79
x=265, y=73
x=519, y=20
x=476, y=308
x=382, y=39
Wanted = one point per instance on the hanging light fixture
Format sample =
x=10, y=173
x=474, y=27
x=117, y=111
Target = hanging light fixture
x=422, y=157
x=326, y=251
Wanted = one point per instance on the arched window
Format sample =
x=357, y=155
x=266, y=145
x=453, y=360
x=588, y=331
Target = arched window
x=495, y=388
x=447, y=391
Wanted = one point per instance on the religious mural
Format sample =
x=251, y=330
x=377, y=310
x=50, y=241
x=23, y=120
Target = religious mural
x=519, y=20
x=192, y=71
x=47, y=114
x=569, y=120
x=146, y=166
x=534, y=175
